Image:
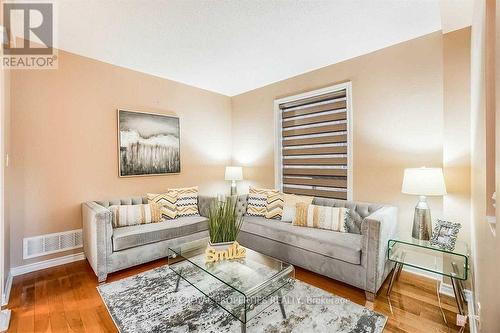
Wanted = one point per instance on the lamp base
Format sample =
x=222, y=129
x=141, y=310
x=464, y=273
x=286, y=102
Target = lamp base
x=422, y=222
x=233, y=187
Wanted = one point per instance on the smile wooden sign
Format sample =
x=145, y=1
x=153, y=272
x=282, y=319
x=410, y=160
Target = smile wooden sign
x=234, y=251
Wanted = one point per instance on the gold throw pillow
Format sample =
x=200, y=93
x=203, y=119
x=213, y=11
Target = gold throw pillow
x=257, y=201
x=167, y=202
x=274, y=206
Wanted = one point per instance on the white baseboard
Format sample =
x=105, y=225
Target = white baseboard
x=6, y=291
x=447, y=289
x=423, y=273
x=471, y=310
x=4, y=320
x=444, y=288
x=20, y=270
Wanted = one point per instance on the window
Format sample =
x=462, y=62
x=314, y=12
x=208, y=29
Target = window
x=313, y=140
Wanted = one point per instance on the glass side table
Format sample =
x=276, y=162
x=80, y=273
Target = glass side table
x=422, y=255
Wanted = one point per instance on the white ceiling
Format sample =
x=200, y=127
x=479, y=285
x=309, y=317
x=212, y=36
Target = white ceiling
x=235, y=46
x=456, y=14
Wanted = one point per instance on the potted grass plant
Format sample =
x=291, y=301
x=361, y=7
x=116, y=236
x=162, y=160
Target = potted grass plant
x=224, y=223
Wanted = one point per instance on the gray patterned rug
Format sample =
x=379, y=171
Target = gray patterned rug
x=148, y=303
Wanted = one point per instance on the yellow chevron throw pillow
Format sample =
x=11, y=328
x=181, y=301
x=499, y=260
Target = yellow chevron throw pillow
x=127, y=215
x=257, y=201
x=167, y=202
x=322, y=217
x=274, y=206
x=187, y=201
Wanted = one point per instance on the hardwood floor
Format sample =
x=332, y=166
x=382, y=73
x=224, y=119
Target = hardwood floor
x=65, y=299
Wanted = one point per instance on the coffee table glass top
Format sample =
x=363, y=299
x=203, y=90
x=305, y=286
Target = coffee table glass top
x=423, y=255
x=243, y=287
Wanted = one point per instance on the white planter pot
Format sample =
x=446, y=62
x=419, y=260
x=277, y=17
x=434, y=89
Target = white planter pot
x=220, y=246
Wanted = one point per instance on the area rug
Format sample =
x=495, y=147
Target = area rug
x=147, y=302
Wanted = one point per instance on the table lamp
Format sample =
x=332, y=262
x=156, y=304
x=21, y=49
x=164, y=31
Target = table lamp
x=423, y=182
x=234, y=173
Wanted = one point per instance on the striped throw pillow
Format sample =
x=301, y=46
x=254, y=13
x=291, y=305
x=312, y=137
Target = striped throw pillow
x=187, y=201
x=127, y=215
x=274, y=206
x=167, y=202
x=322, y=217
x=257, y=201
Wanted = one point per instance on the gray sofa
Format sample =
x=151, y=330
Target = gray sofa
x=357, y=258
x=111, y=249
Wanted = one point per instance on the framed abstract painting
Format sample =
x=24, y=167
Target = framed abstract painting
x=148, y=144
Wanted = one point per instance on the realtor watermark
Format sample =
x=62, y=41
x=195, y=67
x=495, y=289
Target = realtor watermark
x=28, y=36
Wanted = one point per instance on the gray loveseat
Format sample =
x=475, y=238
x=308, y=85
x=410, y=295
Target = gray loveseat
x=357, y=258
x=111, y=249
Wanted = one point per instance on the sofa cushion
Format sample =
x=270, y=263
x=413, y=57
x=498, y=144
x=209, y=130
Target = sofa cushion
x=274, y=206
x=128, y=215
x=257, y=201
x=321, y=217
x=357, y=211
x=337, y=245
x=290, y=203
x=187, y=201
x=167, y=202
x=137, y=235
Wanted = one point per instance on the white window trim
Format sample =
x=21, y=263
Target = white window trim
x=278, y=158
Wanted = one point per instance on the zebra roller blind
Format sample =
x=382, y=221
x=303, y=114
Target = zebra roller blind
x=314, y=139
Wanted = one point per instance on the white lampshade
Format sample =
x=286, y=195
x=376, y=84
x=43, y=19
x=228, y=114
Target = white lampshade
x=424, y=181
x=234, y=173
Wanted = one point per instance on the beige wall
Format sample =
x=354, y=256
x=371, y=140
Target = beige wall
x=5, y=123
x=64, y=141
x=485, y=245
x=456, y=128
x=397, y=95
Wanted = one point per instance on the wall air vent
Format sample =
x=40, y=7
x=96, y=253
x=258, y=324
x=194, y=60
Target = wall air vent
x=52, y=243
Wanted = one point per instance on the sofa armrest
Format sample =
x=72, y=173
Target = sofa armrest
x=97, y=233
x=204, y=203
x=378, y=228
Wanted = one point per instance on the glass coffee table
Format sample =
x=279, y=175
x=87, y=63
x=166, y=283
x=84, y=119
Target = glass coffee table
x=406, y=251
x=242, y=287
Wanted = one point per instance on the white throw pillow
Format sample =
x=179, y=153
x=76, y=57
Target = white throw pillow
x=288, y=214
x=289, y=202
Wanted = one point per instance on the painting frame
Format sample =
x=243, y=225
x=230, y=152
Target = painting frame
x=445, y=235
x=118, y=135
